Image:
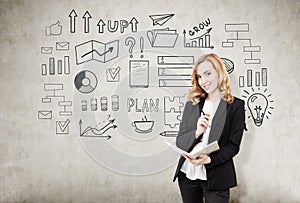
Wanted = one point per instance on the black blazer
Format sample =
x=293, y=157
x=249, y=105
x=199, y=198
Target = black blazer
x=227, y=127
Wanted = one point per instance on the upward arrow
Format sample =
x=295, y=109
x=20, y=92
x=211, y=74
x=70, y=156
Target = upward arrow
x=133, y=23
x=72, y=16
x=184, y=33
x=207, y=32
x=86, y=22
x=100, y=25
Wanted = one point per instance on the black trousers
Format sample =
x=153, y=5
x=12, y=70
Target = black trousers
x=194, y=191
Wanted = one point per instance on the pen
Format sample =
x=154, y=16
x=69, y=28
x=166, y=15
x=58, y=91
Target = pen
x=205, y=114
x=169, y=133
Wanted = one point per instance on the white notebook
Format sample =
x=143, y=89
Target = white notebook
x=214, y=146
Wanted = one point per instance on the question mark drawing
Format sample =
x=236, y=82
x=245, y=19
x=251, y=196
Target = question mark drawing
x=130, y=42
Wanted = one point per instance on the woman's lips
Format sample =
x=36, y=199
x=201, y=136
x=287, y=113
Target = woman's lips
x=205, y=86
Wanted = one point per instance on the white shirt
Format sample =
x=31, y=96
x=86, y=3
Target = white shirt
x=199, y=172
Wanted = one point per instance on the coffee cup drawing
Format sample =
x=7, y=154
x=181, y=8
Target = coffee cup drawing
x=143, y=126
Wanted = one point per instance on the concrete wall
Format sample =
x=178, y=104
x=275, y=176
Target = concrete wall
x=52, y=159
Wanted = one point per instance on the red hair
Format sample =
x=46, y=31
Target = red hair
x=196, y=93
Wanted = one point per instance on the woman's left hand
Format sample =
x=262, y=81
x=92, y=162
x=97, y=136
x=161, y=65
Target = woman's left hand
x=202, y=159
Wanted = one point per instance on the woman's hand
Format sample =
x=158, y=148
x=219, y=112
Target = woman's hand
x=202, y=159
x=202, y=124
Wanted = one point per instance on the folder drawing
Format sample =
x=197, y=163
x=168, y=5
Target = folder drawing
x=162, y=37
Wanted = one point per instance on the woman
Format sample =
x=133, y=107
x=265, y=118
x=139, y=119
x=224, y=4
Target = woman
x=211, y=113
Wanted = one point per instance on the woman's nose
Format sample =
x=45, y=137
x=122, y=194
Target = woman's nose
x=203, y=80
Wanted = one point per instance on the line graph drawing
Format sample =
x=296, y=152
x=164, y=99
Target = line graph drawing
x=237, y=29
x=99, y=130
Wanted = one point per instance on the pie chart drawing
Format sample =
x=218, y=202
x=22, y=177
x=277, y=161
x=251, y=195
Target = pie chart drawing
x=85, y=81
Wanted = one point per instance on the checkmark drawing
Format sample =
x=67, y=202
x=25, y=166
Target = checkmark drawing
x=112, y=74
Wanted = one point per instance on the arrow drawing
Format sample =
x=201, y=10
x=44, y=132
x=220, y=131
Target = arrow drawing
x=86, y=22
x=72, y=16
x=101, y=25
x=110, y=49
x=133, y=23
x=97, y=131
x=207, y=32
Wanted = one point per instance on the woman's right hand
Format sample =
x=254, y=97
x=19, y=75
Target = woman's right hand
x=202, y=124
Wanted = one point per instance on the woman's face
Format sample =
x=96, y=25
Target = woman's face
x=207, y=77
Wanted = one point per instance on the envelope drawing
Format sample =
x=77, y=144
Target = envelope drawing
x=46, y=50
x=45, y=114
x=62, y=46
x=62, y=127
x=162, y=37
x=113, y=74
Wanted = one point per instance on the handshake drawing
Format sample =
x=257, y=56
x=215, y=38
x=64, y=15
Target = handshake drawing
x=54, y=29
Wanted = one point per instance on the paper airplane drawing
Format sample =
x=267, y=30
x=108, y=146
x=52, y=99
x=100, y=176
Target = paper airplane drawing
x=161, y=19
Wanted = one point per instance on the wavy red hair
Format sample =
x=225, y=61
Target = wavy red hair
x=196, y=93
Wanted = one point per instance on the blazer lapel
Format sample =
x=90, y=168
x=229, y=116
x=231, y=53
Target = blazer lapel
x=195, y=113
x=218, y=122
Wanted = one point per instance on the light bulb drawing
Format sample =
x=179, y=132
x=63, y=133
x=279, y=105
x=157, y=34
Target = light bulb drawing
x=258, y=105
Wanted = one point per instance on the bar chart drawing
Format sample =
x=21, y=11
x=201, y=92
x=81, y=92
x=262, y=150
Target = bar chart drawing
x=259, y=78
x=237, y=29
x=202, y=41
x=60, y=67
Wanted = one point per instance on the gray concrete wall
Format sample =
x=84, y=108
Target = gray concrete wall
x=52, y=159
